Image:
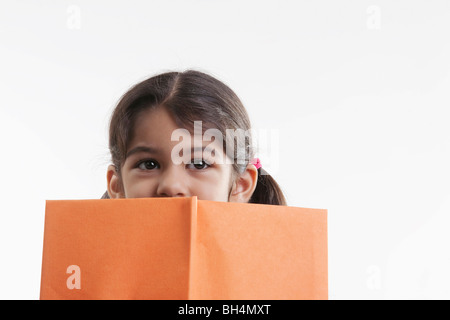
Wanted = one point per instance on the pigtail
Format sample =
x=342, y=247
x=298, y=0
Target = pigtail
x=267, y=190
x=105, y=195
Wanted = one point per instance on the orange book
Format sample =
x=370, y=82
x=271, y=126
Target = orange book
x=183, y=248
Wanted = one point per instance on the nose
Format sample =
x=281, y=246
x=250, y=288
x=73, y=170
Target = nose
x=172, y=183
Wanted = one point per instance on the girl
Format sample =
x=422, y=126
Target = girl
x=142, y=144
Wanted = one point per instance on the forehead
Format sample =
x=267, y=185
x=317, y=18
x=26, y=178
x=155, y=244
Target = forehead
x=154, y=122
x=156, y=126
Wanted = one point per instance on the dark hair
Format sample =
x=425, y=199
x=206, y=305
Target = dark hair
x=190, y=96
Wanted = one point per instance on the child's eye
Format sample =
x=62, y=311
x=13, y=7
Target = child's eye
x=199, y=164
x=148, y=165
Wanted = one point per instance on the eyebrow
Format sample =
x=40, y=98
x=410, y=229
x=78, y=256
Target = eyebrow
x=142, y=149
x=152, y=150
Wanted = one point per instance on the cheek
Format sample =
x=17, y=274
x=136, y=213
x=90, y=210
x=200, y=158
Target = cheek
x=214, y=190
x=139, y=188
x=212, y=194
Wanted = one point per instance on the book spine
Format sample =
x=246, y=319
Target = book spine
x=193, y=241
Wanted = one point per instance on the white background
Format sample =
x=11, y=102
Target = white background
x=358, y=92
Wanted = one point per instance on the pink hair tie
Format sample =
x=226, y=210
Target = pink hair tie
x=256, y=163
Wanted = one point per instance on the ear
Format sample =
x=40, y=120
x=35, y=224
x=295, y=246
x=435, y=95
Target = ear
x=114, y=186
x=244, y=185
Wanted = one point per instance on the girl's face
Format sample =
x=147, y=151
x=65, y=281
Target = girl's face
x=148, y=170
